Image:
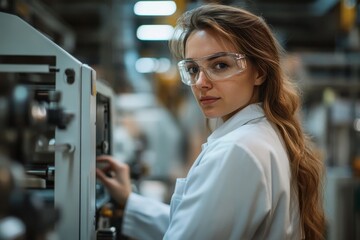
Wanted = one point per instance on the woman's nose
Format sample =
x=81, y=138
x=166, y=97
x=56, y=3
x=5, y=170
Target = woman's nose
x=203, y=80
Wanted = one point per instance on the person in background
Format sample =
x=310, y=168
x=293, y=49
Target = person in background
x=257, y=176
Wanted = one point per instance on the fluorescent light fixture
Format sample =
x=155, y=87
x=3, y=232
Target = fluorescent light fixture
x=145, y=65
x=164, y=65
x=154, y=32
x=154, y=8
x=150, y=65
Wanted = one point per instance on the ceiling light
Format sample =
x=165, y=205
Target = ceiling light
x=154, y=32
x=164, y=65
x=150, y=65
x=145, y=65
x=154, y=8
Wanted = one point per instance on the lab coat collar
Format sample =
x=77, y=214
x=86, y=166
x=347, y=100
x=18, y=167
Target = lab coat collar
x=249, y=113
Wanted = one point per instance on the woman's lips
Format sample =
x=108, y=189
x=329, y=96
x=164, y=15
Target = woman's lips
x=208, y=100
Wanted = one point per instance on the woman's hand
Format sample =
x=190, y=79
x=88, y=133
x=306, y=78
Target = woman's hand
x=116, y=178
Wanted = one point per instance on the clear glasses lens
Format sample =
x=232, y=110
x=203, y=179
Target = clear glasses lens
x=217, y=67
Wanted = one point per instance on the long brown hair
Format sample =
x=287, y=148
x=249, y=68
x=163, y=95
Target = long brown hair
x=281, y=99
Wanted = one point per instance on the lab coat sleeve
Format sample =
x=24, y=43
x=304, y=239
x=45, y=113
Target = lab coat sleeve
x=226, y=197
x=144, y=218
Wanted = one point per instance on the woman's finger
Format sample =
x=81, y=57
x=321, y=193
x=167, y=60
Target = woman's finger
x=100, y=174
x=112, y=163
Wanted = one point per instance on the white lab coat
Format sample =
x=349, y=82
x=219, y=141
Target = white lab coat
x=238, y=188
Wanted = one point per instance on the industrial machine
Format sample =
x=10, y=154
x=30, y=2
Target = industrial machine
x=55, y=118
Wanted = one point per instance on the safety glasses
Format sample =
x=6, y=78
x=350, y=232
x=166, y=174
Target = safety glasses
x=216, y=67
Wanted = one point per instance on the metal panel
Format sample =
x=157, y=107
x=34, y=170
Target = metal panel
x=88, y=146
x=74, y=185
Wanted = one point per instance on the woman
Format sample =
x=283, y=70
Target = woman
x=256, y=177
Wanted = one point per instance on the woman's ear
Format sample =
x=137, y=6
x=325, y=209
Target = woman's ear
x=260, y=77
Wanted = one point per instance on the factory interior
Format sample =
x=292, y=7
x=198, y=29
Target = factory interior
x=75, y=74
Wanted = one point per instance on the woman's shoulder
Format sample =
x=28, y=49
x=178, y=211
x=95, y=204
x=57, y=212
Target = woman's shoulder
x=259, y=141
x=258, y=133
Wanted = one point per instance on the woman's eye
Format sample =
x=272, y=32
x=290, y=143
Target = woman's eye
x=193, y=70
x=221, y=66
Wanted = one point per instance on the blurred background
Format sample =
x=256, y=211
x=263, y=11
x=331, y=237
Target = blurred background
x=158, y=128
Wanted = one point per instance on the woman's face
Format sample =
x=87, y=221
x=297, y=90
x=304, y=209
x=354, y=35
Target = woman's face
x=222, y=98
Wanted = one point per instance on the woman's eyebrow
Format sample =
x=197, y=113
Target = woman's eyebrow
x=208, y=57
